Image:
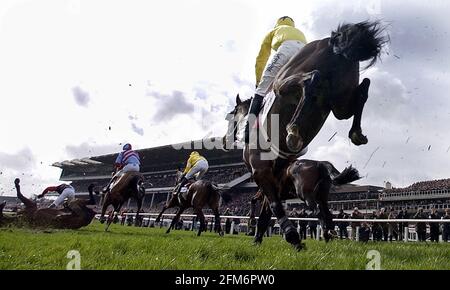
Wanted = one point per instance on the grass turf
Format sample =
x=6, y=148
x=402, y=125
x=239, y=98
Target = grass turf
x=150, y=248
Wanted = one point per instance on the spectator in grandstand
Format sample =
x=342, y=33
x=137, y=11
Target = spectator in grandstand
x=364, y=233
x=356, y=214
x=312, y=226
x=434, y=227
x=124, y=216
x=343, y=234
x=402, y=214
x=421, y=228
x=236, y=221
x=303, y=224
x=446, y=226
x=392, y=227
x=227, y=221
x=377, y=230
x=64, y=191
x=384, y=226
x=294, y=214
x=196, y=167
x=127, y=161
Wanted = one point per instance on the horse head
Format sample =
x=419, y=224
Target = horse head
x=237, y=120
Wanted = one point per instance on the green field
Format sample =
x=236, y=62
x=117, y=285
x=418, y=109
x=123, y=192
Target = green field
x=149, y=248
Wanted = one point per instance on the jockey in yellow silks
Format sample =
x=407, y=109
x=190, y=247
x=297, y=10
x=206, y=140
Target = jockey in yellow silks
x=196, y=167
x=286, y=41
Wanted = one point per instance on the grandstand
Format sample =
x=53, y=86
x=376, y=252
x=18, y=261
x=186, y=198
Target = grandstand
x=159, y=166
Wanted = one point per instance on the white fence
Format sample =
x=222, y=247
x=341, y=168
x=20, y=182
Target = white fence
x=408, y=232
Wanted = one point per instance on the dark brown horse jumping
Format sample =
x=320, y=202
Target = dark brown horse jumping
x=77, y=214
x=200, y=194
x=129, y=185
x=322, y=78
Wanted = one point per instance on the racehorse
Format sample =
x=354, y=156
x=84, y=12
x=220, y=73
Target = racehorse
x=310, y=181
x=129, y=185
x=322, y=78
x=199, y=194
x=75, y=215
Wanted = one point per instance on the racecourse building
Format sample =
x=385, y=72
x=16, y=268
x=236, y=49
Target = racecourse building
x=159, y=165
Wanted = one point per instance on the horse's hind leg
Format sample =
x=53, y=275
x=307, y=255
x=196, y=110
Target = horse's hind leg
x=111, y=216
x=217, y=226
x=175, y=219
x=137, y=222
x=201, y=217
x=263, y=222
x=361, y=95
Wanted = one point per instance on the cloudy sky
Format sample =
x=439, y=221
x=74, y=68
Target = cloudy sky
x=77, y=78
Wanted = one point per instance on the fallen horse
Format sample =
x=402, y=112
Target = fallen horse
x=75, y=215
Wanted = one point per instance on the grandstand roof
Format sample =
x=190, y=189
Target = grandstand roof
x=167, y=157
x=352, y=188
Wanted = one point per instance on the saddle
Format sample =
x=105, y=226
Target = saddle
x=263, y=126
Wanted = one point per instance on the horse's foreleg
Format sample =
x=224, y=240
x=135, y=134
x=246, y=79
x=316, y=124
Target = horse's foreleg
x=361, y=95
x=104, y=208
x=161, y=213
x=263, y=222
x=267, y=182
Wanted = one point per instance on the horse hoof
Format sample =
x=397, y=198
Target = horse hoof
x=358, y=138
x=257, y=241
x=294, y=143
x=299, y=247
x=221, y=233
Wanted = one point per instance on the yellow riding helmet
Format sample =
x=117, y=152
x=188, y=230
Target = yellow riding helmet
x=285, y=20
x=195, y=153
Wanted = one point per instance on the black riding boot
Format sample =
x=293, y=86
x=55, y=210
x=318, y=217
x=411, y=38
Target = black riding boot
x=255, y=108
x=182, y=183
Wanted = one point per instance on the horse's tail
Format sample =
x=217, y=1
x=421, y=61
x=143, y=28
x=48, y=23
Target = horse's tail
x=360, y=42
x=29, y=204
x=349, y=175
x=226, y=197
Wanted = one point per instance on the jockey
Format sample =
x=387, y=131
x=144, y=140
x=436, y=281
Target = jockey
x=286, y=41
x=64, y=191
x=127, y=161
x=196, y=167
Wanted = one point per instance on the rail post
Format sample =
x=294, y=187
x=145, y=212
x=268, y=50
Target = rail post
x=232, y=228
x=406, y=233
x=357, y=234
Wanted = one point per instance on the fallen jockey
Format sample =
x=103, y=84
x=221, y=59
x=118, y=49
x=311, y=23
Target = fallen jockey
x=64, y=191
x=196, y=168
x=127, y=161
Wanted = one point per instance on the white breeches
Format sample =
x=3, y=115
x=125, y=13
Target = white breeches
x=198, y=170
x=68, y=193
x=130, y=168
x=284, y=53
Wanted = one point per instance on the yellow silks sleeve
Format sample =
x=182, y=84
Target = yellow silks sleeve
x=263, y=56
x=188, y=165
